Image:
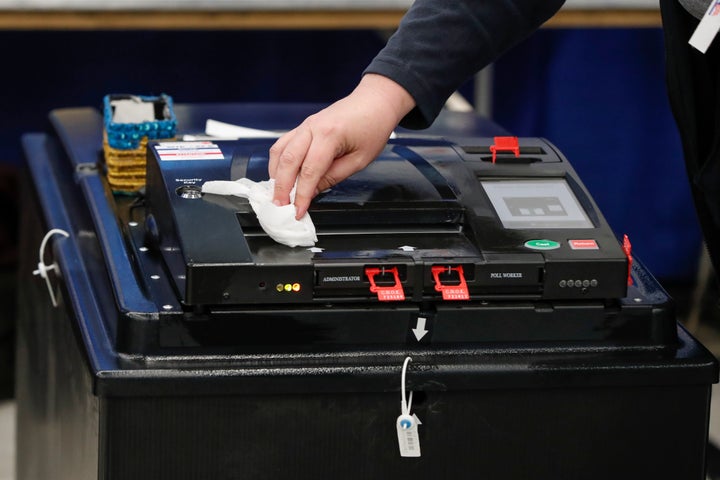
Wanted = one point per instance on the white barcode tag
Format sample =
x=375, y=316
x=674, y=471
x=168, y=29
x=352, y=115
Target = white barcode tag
x=708, y=27
x=407, y=423
x=408, y=439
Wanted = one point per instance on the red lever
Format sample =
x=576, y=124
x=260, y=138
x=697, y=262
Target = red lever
x=451, y=292
x=390, y=293
x=505, y=144
x=627, y=248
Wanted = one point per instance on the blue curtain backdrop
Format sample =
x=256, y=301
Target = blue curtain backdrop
x=54, y=69
x=599, y=95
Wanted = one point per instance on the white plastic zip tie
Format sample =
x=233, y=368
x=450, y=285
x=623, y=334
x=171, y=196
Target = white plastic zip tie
x=43, y=269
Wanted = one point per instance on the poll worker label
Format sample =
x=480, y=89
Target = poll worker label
x=708, y=28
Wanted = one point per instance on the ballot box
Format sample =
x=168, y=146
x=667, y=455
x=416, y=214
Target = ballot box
x=465, y=312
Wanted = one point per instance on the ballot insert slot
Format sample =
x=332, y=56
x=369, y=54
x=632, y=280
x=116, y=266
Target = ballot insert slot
x=374, y=218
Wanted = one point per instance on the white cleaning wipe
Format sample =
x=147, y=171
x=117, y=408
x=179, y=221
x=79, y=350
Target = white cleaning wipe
x=278, y=222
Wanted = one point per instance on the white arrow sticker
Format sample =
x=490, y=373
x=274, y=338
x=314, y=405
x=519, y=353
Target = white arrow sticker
x=420, y=331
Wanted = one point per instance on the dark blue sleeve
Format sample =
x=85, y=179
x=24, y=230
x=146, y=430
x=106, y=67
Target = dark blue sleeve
x=441, y=43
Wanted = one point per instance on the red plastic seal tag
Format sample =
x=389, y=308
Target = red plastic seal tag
x=627, y=248
x=389, y=293
x=451, y=292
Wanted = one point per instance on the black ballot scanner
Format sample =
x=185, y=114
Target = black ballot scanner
x=441, y=221
x=466, y=312
x=455, y=235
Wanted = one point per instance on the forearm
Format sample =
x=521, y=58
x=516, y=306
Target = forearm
x=387, y=93
x=440, y=44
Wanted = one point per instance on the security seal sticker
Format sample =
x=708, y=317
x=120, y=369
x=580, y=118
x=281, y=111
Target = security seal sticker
x=173, y=151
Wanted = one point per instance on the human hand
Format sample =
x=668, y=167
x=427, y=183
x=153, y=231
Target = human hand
x=338, y=141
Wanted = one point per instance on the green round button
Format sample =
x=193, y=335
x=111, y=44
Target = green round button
x=542, y=244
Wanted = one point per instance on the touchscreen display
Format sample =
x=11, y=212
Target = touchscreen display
x=542, y=203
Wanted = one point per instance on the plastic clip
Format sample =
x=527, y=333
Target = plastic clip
x=505, y=144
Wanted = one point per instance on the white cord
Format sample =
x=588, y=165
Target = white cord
x=406, y=402
x=43, y=269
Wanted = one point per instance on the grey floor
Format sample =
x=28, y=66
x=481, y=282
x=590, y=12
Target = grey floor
x=7, y=440
x=711, y=339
